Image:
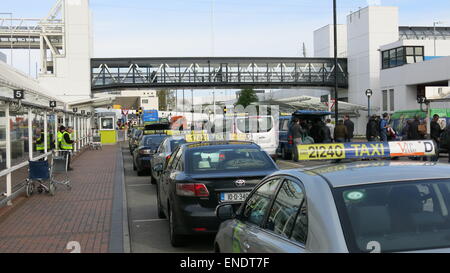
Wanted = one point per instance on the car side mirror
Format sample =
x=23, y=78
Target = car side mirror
x=225, y=212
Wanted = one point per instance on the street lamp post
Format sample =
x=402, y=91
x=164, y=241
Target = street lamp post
x=369, y=94
x=336, y=106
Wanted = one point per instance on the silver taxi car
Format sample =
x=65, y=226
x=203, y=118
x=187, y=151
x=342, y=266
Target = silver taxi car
x=380, y=206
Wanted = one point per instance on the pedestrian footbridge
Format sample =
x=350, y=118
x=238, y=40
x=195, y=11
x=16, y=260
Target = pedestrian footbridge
x=216, y=72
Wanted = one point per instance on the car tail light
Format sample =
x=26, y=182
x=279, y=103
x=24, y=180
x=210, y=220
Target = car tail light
x=199, y=229
x=290, y=140
x=145, y=152
x=194, y=190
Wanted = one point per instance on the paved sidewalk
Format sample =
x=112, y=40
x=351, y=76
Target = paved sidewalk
x=88, y=214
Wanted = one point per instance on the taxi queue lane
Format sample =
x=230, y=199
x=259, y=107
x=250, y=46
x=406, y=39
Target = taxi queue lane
x=148, y=233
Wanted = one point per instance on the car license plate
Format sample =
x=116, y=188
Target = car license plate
x=233, y=196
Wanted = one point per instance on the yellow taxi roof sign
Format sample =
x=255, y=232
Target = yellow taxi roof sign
x=368, y=150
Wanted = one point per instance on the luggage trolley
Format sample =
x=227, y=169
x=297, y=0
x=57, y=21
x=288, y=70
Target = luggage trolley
x=60, y=164
x=41, y=175
x=96, y=143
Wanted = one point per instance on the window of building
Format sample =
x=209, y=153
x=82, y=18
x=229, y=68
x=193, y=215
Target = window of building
x=388, y=100
x=391, y=100
x=385, y=100
x=402, y=55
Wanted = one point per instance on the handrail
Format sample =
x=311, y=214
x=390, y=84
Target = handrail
x=21, y=165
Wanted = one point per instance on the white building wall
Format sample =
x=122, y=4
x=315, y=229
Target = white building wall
x=404, y=80
x=367, y=30
x=149, y=101
x=72, y=80
x=324, y=41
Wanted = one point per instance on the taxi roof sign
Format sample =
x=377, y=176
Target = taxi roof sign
x=368, y=150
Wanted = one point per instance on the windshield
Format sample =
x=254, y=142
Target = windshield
x=254, y=124
x=175, y=143
x=395, y=217
x=216, y=159
x=152, y=141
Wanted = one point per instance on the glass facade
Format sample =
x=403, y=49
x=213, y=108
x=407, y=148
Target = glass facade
x=38, y=127
x=402, y=55
x=19, y=135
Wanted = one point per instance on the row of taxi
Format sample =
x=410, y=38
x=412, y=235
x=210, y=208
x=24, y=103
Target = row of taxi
x=235, y=190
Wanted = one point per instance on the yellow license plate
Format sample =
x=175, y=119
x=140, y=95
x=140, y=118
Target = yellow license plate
x=321, y=151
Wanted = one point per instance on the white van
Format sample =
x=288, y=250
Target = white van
x=262, y=130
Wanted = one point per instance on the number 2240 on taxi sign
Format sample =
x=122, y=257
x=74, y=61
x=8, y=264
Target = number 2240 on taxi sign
x=321, y=151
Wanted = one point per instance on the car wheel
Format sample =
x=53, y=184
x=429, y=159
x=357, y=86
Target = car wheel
x=161, y=214
x=176, y=240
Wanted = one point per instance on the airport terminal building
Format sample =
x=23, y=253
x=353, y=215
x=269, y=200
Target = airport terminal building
x=396, y=62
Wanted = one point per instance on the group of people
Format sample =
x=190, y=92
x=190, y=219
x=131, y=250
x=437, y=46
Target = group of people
x=65, y=142
x=380, y=129
x=317, y=131
x=413, y=129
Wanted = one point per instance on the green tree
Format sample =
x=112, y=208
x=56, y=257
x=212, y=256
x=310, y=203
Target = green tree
x=247, y=97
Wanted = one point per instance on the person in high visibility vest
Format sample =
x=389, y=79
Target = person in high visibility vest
x=40, y=141
x=67, y=144
x=61, y=131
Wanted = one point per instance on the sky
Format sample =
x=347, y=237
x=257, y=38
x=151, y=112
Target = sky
x=171, y=28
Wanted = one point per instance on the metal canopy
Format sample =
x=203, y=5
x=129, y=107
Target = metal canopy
x=220, y=72
x=424, y=33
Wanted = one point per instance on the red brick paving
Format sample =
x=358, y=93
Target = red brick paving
x=45, y=224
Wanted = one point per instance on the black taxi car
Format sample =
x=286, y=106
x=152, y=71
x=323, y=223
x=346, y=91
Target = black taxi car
x=201, y=175
x=145, y=151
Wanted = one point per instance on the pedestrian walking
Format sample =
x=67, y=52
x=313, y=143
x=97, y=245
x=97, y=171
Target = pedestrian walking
x=67, y=145
x=435, y=133
x=40, y=144
x=340, y=132
x=413, y=129
x=316, y=131
x=61, y=131
x=331, y=127
x=325, y=133
x=405, y=130
x=372, y=129
x=297, y=134
x=383, y=127
x=350, y=128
